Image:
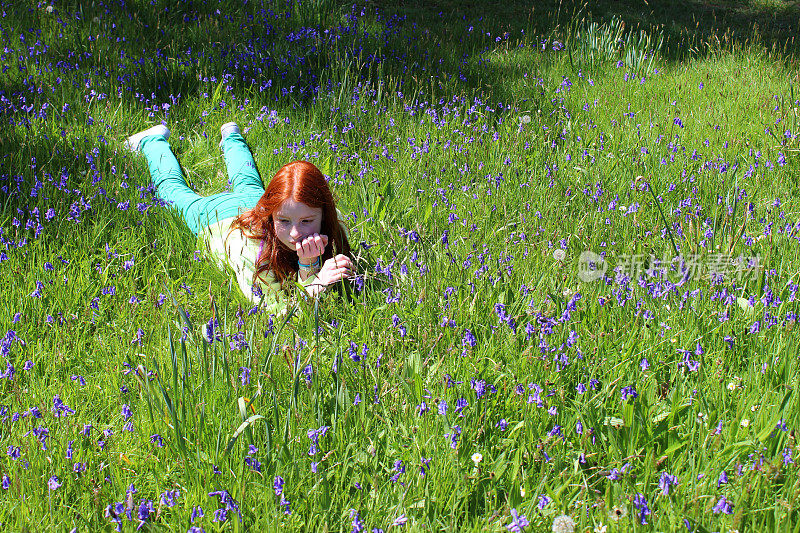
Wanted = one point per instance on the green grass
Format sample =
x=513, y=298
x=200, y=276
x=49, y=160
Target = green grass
x=496, y=154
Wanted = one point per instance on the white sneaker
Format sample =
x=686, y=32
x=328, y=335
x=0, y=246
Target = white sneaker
x=227, y=129
x=132, y=142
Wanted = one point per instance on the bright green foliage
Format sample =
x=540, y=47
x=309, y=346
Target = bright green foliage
x=476, y=367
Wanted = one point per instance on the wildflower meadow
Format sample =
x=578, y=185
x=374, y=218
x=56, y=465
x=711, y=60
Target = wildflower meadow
x=577, y=231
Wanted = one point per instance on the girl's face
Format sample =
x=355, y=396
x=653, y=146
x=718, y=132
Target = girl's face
x=294, y=221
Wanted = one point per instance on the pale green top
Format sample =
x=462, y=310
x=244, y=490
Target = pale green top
x=233, y=249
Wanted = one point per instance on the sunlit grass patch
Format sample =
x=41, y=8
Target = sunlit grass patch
x=578, y=252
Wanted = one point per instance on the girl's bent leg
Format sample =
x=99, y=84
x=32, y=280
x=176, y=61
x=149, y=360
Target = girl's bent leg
x=168, y=178
x=242, y=172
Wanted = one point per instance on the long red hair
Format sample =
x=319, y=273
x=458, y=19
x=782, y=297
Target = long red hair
x=302, y=182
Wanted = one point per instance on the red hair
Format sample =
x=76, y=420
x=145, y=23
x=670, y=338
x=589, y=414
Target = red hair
x=302, y=182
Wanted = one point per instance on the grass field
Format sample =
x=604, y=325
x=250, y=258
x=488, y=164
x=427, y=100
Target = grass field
x=578, y=231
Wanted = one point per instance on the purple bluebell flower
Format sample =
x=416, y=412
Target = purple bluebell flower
x=238, y=342
x=352, y=352
x=314, y=435
x=168, y=497
x=227, y=500
x=640, y=503
x=500, y=311
x=399, y=470
x=461, y=404
x=13, y=452
x=399, y=521
x=723, y=506
x=544, y=501
x=358, y=523
x=115, y=512
x=286, y=504
x=253, y=463
x=197, y=512
x=666, y=481
x=424, y=463
x=628, y=391
x=454, y=436
x=687, y=361
x=138, y=336
x=479, y=386
x=210, y=333
x=59, y=408
x=469, y=339
x=518, y=522
x=787, y=456
x=42, y=434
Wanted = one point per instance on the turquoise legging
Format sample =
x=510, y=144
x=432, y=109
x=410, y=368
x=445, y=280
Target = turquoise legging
x=201, y=211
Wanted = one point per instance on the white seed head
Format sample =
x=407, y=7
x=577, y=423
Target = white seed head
x=563, y=524
x=618, y=513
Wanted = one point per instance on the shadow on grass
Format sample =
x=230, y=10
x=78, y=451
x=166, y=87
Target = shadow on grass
x=430, y=49
x=687, y=24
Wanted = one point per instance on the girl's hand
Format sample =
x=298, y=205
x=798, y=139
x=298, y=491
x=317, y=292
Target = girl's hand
x=335, y=269
x=311, y=247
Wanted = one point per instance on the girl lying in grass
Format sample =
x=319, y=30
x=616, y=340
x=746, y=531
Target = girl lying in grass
x=270, y=238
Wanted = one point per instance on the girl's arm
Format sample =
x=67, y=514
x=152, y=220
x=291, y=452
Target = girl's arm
x=314, y=276
x=334, y=269
x=307, y=275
